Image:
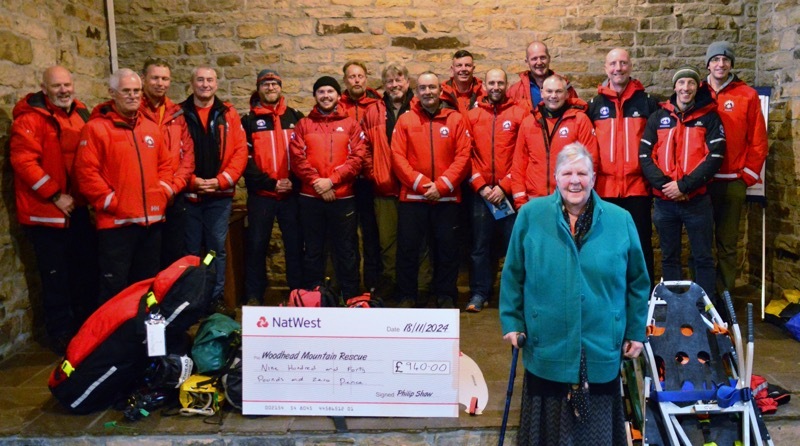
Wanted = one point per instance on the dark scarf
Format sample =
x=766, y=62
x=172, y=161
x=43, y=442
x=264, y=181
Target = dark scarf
x=583, y=224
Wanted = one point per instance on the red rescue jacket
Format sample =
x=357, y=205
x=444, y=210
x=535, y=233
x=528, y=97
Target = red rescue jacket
x=521, y=91
x=687, y=147
x=494, y=130
x=538, y=144
x=357, y=109
x=463, y=102
x=176, y=137
x=747, y=147
x=268, y=130
x=124, y=170
x=327, y=146
x=428, y=149
x=619, y=122
x=44, y=139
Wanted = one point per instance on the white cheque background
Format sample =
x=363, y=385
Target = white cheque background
x=350, y=361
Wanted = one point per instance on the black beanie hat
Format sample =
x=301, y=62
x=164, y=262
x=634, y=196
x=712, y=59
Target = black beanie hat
x=327, y=81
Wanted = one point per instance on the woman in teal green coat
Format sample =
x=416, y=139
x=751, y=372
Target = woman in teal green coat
x=576, y=285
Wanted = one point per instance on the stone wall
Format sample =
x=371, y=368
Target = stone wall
x=779, y=67
x=304, y=39
x=34, y=36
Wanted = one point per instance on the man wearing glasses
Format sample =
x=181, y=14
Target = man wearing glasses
x=123, y=169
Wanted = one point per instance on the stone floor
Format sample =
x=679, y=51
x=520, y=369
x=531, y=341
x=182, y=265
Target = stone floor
x=29, y=414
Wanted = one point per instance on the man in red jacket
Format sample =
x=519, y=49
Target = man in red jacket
x=494, y=124
x=619, y=113
x=159, y=109
x=463, y=90
x=44, y=139
x=682, y=148
x=356, y=99
x=220, y=156
x=558, y=121
x=271, y=193
x=327, y=151
x=527, y=92
x=123, y=168
x=430, y=152
x=739, y=108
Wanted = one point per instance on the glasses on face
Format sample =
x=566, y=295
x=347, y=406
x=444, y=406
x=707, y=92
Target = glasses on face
x=130, y=92
x=270, y=84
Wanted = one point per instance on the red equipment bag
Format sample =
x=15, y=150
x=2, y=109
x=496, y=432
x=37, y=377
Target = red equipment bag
x=109, y=351
x=319, y=296
x=365, y=300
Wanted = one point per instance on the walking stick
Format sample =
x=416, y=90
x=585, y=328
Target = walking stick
x=512, y=376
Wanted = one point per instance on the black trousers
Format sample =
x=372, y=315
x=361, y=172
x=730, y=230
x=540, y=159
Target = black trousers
x=127, y=255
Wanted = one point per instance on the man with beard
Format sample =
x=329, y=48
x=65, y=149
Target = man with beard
x=430, y=152
x=270, y=193
x=463, y=90
x=124, y=169
x=739, y=108
x=159, y=109
x=494, y=124
x=355, y=101
x=682, y=148
x=220, y=155
x=558, y=121
x=619, y=113
x=327, y=151
x=44, y=138
x=527, y=92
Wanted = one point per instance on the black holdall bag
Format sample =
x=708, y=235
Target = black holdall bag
x=105, y=358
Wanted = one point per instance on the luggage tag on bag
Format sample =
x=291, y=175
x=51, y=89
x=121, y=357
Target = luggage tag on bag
x=156, y=338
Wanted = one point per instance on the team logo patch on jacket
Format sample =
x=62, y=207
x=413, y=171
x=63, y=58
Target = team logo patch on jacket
x=721, y=130
x=636, y=114
x=507, y=125
x=604, y=112
x=444, y=131
x=728, y=105
x=563, y=132
x=149, y=141
x=340, y=129
x=665, y=122
x=261, y=124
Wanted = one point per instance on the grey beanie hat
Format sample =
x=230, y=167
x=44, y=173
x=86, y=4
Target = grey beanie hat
x=686, y=71
x=720, y=49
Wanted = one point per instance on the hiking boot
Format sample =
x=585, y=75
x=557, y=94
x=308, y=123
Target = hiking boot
x=220, y=307
x=406, y=302
x=445, y=302
x=476, y=304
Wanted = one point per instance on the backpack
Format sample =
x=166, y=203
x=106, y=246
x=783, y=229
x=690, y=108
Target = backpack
x=319, y=296
x=106, y=357
x=366, y=300
x=217, y=337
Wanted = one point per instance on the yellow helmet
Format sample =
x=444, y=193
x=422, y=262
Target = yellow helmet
x=199, y=395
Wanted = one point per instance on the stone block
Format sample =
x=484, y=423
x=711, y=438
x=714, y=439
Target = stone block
x=476, y=26
x=504, y=24
x=210, y=7
x=704, y=37
x=439, y=26
x=352, y=2
x=493, y=40
x=658, y=38
x=195, y=48
x=255, y=30
x=356, y=42
x=170, y=33
x=539, y=25
x=377, y=13
x=207, y=32
x=257, y=61
x=328, y=28
x=166, y=49
x=316, y=42
x=15, y=48
x=229, y=60
x=617, y=24
x=217, y=46
x=392, y=3
x=428, y=43
x=296, y=27
x=329, y=12
x=275, y=43
x=400, y=27
x=577, y=23
x=307, y=57
x=420, y=13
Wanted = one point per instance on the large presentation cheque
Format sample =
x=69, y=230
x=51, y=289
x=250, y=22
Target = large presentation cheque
x=350, y=362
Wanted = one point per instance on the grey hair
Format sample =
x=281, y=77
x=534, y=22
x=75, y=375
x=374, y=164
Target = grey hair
x=116, y=77
x=394, y=69
x=195, y=70
x=574, y=152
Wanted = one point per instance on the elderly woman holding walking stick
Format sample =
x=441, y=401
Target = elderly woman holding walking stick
x=575, y=284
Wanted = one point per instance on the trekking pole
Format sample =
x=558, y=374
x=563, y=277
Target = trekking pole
x=512, y=376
